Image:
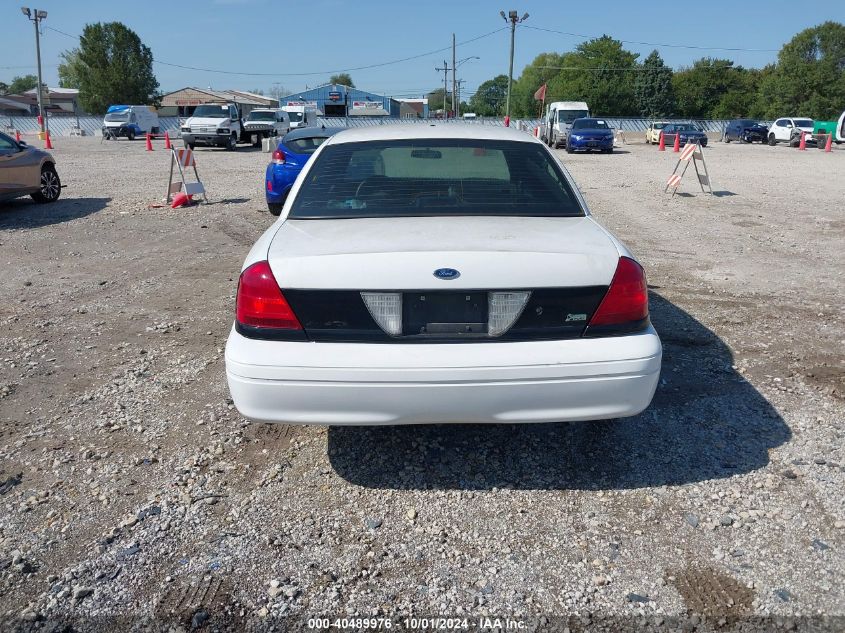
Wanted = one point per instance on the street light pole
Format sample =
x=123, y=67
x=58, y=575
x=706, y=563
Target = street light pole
x=453, y=73
x=514, y=19
x=36, y=15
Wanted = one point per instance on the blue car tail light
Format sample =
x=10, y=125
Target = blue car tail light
x=278, y=157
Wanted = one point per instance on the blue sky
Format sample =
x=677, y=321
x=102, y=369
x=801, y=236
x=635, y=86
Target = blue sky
x=319, y=36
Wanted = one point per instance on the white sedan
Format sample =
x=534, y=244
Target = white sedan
x=439, y=274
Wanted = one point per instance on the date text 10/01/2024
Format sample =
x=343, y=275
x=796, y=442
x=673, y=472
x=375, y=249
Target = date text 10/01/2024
x=424, y=624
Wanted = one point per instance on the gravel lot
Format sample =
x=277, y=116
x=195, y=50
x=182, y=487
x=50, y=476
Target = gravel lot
x=129, y=486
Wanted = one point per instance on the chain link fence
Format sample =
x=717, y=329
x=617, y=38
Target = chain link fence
x=91, y=126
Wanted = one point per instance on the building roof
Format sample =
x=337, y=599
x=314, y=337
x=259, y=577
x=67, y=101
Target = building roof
x=57, y=92
x=11, y=104
x=237, y=96
x=434, y=131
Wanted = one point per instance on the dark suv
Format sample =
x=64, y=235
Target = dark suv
x=746, y=130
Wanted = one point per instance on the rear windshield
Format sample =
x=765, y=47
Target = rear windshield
x=590, y=124
x=307, y=145
x=434, y=178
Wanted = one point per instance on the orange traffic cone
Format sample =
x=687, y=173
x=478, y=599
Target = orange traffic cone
x=802, y=144
x=829, y=144
x=18, y=136
x=149, y=143
x=662, y=145
x=167, y=144
x=677, y=146
x=47, y=143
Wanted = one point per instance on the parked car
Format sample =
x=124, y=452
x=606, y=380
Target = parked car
x=27, y=171
x=687, y=132
x=558, y=119
x=219, y=124
x=746, y=130
x=129, y=121
x=264, y=123
x=290, y=156
x=589, y=134
x=652, y=132
x=439, y=274
x=782, y=130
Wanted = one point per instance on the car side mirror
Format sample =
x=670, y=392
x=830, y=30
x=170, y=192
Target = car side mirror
x=22, y=145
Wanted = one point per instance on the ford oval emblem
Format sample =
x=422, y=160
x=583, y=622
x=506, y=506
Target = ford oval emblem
x=446, y=273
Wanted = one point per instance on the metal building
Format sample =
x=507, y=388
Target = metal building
x=337, y=100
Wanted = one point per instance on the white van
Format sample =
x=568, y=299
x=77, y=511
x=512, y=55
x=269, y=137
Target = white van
x=130, y=121
x=301, y=115
x=559, y=118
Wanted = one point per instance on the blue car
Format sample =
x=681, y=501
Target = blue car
x=687, y=132
x=290, y=157
x=589, y=134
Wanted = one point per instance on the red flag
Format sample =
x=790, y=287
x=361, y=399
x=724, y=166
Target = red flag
x=540, y=95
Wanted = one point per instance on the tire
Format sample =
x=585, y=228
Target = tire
x=51, y=186
x=727, y=140
x=772, y=140
x=607, y=151
x=155, y=130
x=190, y=146
x=275, y=208
x=130, y=134
x=232, y=145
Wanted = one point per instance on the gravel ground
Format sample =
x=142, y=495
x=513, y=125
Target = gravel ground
x=130, y=487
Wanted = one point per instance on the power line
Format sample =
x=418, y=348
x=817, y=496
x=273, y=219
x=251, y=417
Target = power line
x=690, y=46
x=318, y=72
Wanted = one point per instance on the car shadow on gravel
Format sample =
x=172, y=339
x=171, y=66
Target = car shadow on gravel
x=24, y=213
x=706, y=422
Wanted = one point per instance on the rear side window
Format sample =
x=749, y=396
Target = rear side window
x=434, y=177
x=307, y=145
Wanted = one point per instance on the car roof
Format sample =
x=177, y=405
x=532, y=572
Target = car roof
x=312, y=132
x=411, y=131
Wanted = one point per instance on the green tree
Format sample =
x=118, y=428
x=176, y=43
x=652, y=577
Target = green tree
x=489, y=99
x=70, y=69
x=22, y=84
x=809, y=78
x=599, y=71
x=435, y=99
x=115, y=67
x=712, y=88
x=653, y=88
x=344, y=79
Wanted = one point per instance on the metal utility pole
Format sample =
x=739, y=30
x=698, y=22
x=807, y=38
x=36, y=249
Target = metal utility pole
x=36, y=15
x=458, y=111
x=514, y=19
x=454, y=66
x=445, y=71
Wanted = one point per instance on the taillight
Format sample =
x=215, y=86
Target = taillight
x=260, y=301
x=278, y=157
x=626, y=300
x=269, y=184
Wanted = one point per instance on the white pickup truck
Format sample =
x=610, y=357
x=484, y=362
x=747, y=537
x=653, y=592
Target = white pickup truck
x=218, y=124
x=558, y=119
x=264, y=123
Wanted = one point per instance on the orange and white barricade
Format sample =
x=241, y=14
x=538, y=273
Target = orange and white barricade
x=691, y=153
x=183, y=158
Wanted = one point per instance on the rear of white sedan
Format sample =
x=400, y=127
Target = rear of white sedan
x=439, y=274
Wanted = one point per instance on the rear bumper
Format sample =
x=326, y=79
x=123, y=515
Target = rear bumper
x=591, y=144
x=371, y=384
